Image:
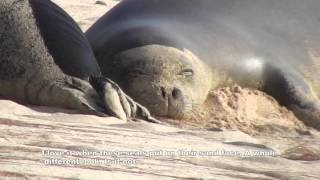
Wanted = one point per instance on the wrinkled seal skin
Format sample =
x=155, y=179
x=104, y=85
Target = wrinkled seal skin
x=45, y=59
x=269, y=45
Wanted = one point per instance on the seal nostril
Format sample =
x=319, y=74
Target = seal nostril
x=175, y=93
x=163, y=92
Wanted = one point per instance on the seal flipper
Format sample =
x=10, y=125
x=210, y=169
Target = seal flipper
x=117, y=103
x=68, y=92
x=291, y=90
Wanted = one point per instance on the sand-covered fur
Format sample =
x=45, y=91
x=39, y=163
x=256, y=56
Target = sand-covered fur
x=35, y=60
x=27, y=69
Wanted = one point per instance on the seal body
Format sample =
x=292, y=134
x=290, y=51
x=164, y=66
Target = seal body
x=45, y=59
x=269, y=45
x=32, y=69
x=64, y=40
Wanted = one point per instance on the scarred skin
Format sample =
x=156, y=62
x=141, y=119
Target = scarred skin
x=46, y=60
x=268, y=45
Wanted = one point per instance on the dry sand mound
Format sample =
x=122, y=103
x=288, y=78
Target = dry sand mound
x=248, y=110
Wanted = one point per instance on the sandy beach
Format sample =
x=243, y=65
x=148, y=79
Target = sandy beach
x=234, y=120
x=85, y=12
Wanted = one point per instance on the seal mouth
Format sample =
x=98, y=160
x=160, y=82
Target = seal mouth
x=178, y=105
x=179, y=111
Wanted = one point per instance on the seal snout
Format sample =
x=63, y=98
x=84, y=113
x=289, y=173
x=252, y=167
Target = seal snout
x=175, y=93
x=174, y=101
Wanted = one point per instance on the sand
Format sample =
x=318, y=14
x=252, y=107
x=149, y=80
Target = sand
x=244, y=109
x=85, y=12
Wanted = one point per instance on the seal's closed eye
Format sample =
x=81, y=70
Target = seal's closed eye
x=136, y=73
x=187, y=72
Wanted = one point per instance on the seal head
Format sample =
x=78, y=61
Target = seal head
x=168, y=81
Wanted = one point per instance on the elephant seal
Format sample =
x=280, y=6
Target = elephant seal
x=157, y=51
x=46, y=60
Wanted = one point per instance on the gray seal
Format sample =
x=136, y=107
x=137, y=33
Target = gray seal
x=158, y=50
x=46, y=60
